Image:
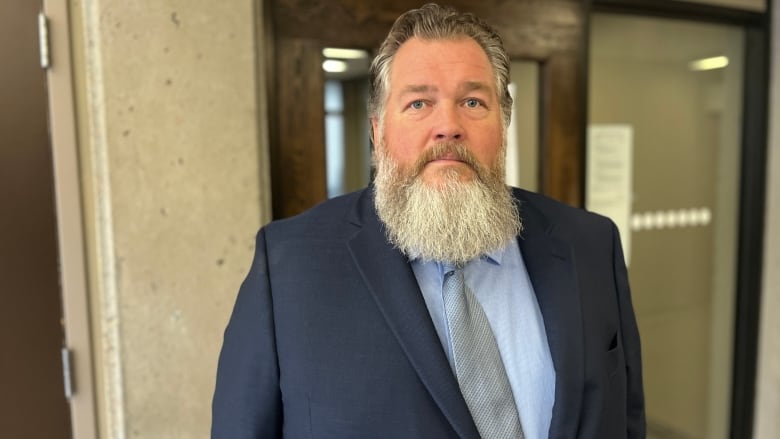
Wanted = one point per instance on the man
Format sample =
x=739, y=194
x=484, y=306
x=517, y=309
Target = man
x=437, y=303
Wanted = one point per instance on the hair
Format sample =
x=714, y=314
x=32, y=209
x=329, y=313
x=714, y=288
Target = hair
x=434, y=22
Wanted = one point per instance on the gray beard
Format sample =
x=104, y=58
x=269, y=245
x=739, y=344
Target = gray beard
x=453, y=221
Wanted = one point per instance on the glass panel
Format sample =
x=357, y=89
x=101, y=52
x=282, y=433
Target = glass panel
x=683, y=144
x=334, y=137
x=522, y=162
x=347, y=143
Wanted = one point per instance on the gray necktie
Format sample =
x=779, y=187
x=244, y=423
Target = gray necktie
x=478, y=364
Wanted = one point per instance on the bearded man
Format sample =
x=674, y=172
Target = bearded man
x=438, y=302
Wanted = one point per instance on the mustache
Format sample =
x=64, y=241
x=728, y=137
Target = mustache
x=450, y=150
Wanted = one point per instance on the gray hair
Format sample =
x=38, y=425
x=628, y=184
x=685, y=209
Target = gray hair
x=434, y=22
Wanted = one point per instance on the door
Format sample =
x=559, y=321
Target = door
x=550, y=34
x=683, y=104
x=677, y=107
x=32, y=403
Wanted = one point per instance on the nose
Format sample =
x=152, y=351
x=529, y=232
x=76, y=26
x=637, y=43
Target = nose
x=448, y=125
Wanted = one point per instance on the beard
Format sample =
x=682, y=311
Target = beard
x=451, y=220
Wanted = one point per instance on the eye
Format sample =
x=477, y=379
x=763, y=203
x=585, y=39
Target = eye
x=417, y=105
x=472, y=103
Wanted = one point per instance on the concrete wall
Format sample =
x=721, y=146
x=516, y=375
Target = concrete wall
x=768, y=383
x=175, y=187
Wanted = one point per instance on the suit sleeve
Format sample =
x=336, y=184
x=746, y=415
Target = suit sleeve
x=247, y=398
x=635, y=403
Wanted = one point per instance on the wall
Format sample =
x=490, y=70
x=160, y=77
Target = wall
x=768, y=383
x=175, y=187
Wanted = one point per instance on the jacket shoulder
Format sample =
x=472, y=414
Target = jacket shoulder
x=323, y=220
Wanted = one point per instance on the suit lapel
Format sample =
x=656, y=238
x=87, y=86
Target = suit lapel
x=550, y=266
x=394, y=288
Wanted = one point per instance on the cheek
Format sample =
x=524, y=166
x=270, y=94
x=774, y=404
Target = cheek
x=490, y=149
x=400, y=144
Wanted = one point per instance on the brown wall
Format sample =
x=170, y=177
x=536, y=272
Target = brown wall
x=32, y=404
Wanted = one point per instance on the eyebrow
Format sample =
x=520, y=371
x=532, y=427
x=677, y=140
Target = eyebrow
x=474, y=86
x=415, y=88
x=466, y=87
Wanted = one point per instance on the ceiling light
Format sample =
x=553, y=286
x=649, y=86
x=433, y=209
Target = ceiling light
x=335, y=52
x=717, y=62
x=334, y=66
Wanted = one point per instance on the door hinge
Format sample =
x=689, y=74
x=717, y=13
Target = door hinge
x=67, y=376
x=43, y=40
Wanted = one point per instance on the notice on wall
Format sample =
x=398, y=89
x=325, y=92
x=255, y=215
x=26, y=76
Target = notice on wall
x=610, y=176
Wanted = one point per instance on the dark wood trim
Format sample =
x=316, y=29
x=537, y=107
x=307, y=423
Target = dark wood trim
x=298, y=155
x=681, y=10
x=751, y=229
x=530, y=28
x=585, y=90
x=562, y=155
x=268, y=51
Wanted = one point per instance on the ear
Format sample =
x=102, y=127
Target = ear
x=375, y=131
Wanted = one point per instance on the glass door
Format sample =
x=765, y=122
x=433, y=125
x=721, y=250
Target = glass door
x=665, y=106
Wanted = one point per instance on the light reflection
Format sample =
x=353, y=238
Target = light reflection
x=334, y=66
x=716, y=62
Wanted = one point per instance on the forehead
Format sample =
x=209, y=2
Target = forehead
x=420, y=61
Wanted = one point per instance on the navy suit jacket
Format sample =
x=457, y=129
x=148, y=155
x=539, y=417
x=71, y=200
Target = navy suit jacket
x=330, y=336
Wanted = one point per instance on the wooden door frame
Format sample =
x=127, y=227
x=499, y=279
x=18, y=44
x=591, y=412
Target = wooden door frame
x=550, y=32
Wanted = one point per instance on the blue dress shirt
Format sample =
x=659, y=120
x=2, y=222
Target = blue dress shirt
x=500, y=282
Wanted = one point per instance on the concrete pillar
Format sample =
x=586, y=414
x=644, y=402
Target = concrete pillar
x=175, y=182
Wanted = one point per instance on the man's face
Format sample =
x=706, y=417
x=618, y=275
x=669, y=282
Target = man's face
x=441, y=92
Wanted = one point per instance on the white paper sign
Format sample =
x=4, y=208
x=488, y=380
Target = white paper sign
x=610, y=176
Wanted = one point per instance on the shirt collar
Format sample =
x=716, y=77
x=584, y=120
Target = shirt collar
x=495, y=257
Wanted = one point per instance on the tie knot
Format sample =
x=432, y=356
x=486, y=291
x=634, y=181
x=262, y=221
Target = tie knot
x=448, y=267
x=451, y=267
